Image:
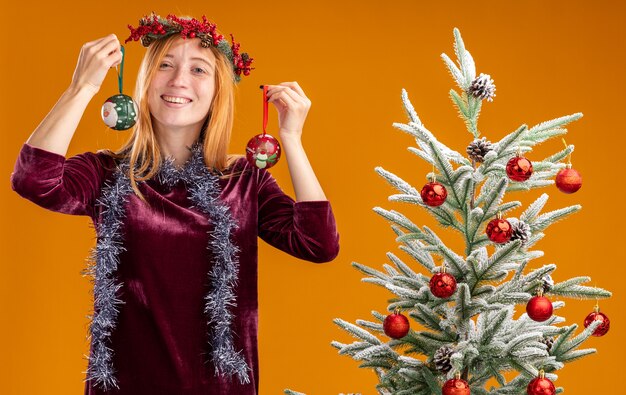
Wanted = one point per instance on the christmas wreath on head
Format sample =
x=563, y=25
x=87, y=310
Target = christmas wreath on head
x=154, y=27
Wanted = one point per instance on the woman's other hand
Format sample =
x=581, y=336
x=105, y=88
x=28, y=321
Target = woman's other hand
x=95, y=59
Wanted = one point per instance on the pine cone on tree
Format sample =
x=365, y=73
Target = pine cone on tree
x=483, y=87
x=478, y=149
x=521, y=231
x=548, y=341
x=442, y=359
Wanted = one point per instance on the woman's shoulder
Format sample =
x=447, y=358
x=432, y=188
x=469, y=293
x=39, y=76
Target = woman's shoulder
x=105, y=159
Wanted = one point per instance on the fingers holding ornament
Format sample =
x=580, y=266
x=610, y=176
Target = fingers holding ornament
x=292, y=89
x=94, y=61
x=288, y=98
x=292, y=106
x=294, y=85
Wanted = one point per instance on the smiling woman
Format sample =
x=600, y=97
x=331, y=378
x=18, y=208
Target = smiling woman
x=170, y=74
x=177, y=217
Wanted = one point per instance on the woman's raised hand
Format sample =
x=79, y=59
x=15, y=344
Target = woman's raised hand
x=292, y=106
x=95, y=59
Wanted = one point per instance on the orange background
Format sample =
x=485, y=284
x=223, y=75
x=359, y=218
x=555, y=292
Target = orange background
x=352, y=58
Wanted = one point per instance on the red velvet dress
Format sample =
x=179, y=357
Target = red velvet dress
x=160, y=341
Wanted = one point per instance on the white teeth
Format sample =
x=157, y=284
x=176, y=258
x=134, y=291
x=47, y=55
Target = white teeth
x=173, y=99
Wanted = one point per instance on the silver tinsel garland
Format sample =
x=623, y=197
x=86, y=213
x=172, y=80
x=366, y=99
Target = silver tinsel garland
x=203, y=187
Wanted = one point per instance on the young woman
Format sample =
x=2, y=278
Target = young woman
x=177, y=218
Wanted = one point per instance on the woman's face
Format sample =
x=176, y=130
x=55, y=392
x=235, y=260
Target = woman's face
x=181, y=91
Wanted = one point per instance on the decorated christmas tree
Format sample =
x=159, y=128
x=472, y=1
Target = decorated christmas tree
x=452, y=325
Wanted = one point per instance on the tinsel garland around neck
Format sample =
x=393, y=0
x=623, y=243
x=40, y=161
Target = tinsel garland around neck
x=203, y=188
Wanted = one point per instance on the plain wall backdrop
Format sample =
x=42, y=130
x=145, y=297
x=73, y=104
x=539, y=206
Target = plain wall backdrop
x=352, y=59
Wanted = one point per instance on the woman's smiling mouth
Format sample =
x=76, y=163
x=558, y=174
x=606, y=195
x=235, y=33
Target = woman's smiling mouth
x=175, y=99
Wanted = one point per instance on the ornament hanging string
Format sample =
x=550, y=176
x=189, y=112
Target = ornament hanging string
x=120, y=73
x=569, y=157
x=265, y=109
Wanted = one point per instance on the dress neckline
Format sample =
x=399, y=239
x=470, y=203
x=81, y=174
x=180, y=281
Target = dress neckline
x=169, y=174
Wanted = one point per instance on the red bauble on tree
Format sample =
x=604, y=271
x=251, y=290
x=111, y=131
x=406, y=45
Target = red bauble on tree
x=568, y=180
x=396, y=325
x=596, y=315
x=456, y=386
x=540, y=386
x=519, y=168
x=434, y=194
x=539, y=308
x=499, y=230
x=443, y=284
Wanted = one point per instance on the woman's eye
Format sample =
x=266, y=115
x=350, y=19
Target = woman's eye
x=198, y=70
x=164, y=65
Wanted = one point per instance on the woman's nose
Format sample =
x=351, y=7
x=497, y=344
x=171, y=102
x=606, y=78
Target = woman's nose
x=178, y=77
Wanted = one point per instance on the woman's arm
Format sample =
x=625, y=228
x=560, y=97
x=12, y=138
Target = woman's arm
x=305, y=228
x=293, y=106
x=55, y=132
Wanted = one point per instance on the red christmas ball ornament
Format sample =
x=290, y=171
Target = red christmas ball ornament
x=434, y=194
x=396, y=325
x=263, y=151
x=499, y=230
x=568, y=180
x=519, y=168
x=540, y=386
x=443, y=285
x=456, y=386
x=596, y=315
x=539, y=308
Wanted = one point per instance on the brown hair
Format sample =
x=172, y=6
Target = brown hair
x=142, y=148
